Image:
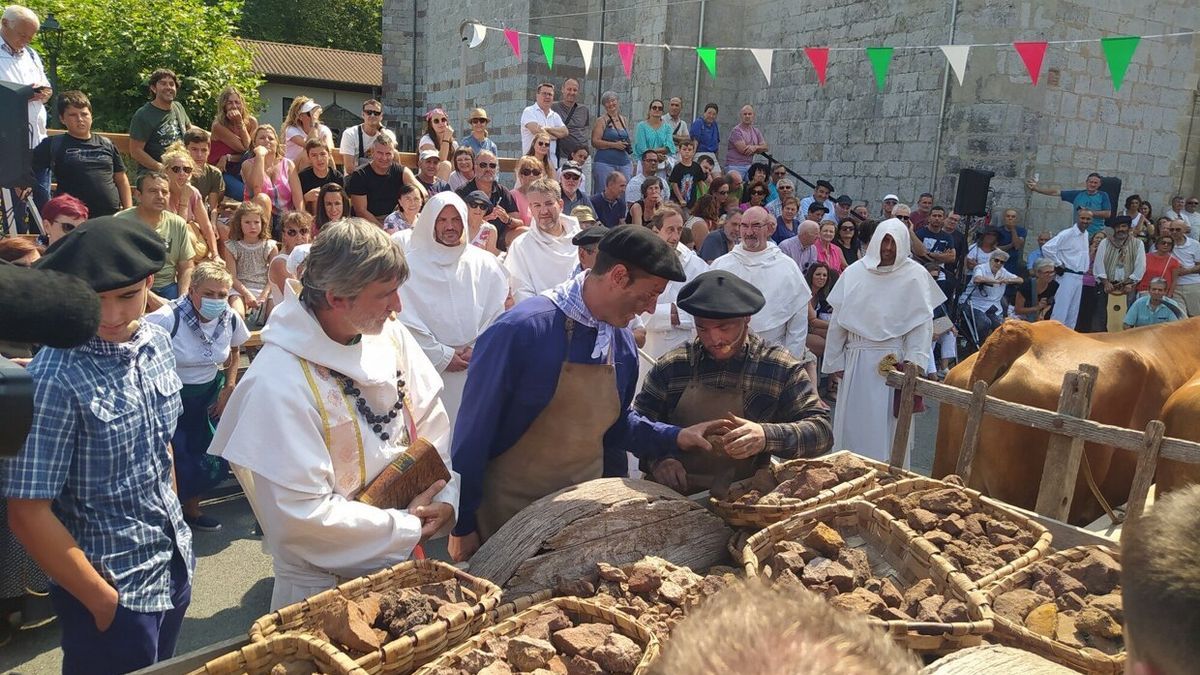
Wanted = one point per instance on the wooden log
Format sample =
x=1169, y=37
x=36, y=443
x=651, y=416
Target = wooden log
x=1147, y=465
x=615, y=520
x=904, y=415
x=970, y=444
x=1064, y=453
x=994, y=660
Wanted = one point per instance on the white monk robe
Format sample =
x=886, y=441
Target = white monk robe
x=783, y=320
x=274, y=432
x=661, y=335
x=537, y=261
x=452, y=294
x=877, y=311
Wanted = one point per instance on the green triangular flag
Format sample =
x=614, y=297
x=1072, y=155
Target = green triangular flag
x=709, y=56
x=1118, y=51
x=881, y=58
x=548, y=49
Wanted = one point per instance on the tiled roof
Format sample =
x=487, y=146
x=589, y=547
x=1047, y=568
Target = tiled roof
x=315, y=64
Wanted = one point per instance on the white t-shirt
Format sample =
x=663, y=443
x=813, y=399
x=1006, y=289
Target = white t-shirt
x=351, y=149
x=1188, y=254
x=427, y=141
x=293, y=151
x=548, y=121
x=26, y=68
x=983, y=297
x=190, y=360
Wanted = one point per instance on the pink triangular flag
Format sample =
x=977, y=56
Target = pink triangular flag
x=819, y=57
x=1032, y=54
x=514, y=41
x=625, y=49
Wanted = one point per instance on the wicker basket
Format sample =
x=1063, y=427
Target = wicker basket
x=1015, y=635
x=892, y=551
x=1039, y=549
x=258, y=658
x=574, y=608
x=405, y=654
x=760, y=515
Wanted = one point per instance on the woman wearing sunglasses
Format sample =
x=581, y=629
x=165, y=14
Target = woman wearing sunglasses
x=439, y=135
x=297, y=231
x=539, y=149
x=528, y=170
x=185, y=200
x=61, y=215
x=653, y=134
x=757, y=194
x=478, y=140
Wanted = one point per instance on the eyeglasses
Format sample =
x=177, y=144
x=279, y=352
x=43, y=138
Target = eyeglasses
x=1192, y=202
x=531, y=172
x=291, y=232
x=543, y=144
x=656, y=107
x=570, y=176
x=476, y=205
x=487, y=165
x=439, y=120
x=759, y=193
x=373, y=113
x=905, y=218
x=846, y=228
x=181, y=169
x=759, y=225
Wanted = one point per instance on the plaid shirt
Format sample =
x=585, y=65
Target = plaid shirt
x=104, y=414
x=776, y=393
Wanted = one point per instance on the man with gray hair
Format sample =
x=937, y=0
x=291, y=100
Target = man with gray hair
x=339, y=393
x=20, y=64
x=802, y=248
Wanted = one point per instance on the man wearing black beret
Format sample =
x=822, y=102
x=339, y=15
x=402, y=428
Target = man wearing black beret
x=91, y=496
x=548, y=395
x=764, y=393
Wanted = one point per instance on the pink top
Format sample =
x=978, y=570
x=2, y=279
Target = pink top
x=195, y=203
x=278, y=188
x=751, y=136
x=522, y=206
x=830, y=255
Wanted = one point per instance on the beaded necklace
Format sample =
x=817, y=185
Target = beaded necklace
x=376, y=421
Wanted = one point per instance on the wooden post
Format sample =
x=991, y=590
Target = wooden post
x=1064, y=453
x=970, y=444
x=904, y=416
x=1144, y=474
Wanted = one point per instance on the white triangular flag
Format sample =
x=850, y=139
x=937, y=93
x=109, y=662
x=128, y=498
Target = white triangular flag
x=957, y=56
x=764, y=58
x=480, y=33
x=585, y=48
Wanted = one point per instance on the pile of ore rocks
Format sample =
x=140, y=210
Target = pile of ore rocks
x=296, y=667
x=551, y=644
x=824, y=564
x=364, y=625
x=652, y=590
x=1076, y=603
x=975, y=542
x=797, y=481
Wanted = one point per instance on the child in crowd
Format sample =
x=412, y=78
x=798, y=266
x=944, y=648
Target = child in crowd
x=580, y=157
x=248, y=253
x=687, y=176
x=206, y=178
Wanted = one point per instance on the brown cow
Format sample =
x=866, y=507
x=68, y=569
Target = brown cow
x=1025, y=363
x=1181, y=415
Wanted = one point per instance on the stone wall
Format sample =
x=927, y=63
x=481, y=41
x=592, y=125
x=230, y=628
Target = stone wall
x=910, y=138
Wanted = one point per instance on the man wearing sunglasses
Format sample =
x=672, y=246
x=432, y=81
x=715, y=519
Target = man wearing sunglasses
x=1190, y=214
x=356, y=142
x=633, y=190
x=503, y=215
x=541, y=117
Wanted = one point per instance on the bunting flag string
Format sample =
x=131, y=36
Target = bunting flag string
x=1118, y=53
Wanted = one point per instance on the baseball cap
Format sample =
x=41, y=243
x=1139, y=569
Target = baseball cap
x=891, y=197
x=478, y=198
x=309, y=106
x=427, y=154
x=571, y=167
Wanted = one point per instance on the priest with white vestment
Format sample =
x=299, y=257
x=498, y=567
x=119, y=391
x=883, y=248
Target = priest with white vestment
x=668, y=326
x=758, y=261
x=339, y=391
x=454, y=291
x=882, y=317
x=543, y=256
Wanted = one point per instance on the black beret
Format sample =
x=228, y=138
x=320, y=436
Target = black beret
x=717, y=294
x=845, y=200
x=590, y=236
x=1122, y=220
x=641, y=247
x=817, y=206
x=107, y=253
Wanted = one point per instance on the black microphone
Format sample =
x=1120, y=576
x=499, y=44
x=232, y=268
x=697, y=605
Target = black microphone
x=46, y=307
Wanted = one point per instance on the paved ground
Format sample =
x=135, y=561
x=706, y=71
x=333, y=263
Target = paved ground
x=233, y=580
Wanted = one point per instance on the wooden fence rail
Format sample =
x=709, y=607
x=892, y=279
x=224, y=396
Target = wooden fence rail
x=1068, y=427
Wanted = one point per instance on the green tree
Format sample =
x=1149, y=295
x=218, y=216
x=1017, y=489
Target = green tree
x=110, y=48
x=354, y=25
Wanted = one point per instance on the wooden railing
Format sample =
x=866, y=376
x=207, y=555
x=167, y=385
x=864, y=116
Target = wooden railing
x=1068, y=427
x=409, y=159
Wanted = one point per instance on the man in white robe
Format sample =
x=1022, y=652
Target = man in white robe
x=1070, y=250
x=757, y=260
x=296, y=429
x=542, y=257
x=668, y=326
x=454, y=291
x=882, y=316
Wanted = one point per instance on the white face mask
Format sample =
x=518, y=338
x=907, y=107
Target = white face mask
x=211, y=308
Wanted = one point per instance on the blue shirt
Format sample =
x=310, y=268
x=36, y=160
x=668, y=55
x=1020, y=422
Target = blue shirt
x=708, y=136
x=512, y=377
x=1005, y=238
x=103, y=417
x=477, y=146
x=610, y=214
x=1140, y=314
x=1080, y=199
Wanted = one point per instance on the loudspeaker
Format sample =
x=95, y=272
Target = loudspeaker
x=1112, y=185
x=971, y=198
x=17, y=168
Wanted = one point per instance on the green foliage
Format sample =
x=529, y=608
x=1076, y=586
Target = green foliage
x=354, y=25
x=110, y=47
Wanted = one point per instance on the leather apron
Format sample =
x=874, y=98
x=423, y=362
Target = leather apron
x=564, y=445
x=702, y=402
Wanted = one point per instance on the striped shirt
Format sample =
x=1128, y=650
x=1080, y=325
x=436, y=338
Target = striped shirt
x=104, y=414
x=776, y=393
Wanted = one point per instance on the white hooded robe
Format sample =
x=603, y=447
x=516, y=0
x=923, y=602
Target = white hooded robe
x=783, y=320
